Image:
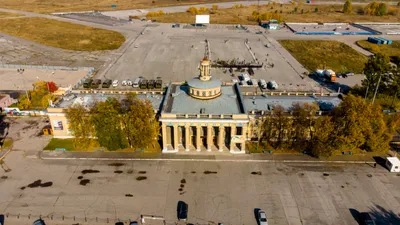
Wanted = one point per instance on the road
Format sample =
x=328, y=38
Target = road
x=94, y=192
x=124, y=14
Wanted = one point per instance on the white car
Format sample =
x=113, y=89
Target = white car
x=123, y=83
x=262, y=218
x=115, y=83
x=234, y=80
x=129, y=82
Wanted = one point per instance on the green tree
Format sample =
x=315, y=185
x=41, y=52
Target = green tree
x=303, y=119
x=282, y=126
x=347, y=7
x=322, y=142
x=80, y=125
x=106, y=118
x=140, y=125
x=382, y=9
x=376, y=67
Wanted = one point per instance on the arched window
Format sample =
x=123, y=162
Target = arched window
x=204, y=93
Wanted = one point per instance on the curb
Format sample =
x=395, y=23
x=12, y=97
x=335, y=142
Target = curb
x=5, y=154
x=211, y=160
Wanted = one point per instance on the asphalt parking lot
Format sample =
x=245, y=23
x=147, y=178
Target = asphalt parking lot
x=174, y=55
x=94, y=192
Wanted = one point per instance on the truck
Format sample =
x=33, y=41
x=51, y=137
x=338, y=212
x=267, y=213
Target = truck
x=329, y=75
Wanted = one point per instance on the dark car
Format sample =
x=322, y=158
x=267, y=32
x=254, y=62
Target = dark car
x=95, y=83
x=134, y=223
x=365, y=219
x=182, y=211
x=39, y=222
x=106, y=83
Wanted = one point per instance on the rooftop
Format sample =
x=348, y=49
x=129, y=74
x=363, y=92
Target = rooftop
x=197, y=83
x=88, y=99
x=179, y=102
x=261, y=103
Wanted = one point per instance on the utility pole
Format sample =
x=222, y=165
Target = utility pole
x=376, y=89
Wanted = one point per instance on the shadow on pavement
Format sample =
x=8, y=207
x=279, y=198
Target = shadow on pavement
x=356, y=215
x=380, y=161
x=384, y=216
x=331, y=86
x=256, y=210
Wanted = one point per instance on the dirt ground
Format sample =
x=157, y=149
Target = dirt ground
x=26, y=134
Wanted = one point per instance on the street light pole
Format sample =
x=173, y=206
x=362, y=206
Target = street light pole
x=376, y=89
x=366, y=92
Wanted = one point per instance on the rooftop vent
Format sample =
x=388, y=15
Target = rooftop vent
x=202, y=110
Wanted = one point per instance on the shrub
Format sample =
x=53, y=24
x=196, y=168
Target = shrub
x=347, y=7
x=316, y=10
x=193, y=10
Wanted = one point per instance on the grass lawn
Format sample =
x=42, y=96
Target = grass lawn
x=62, y=34
x=49, y=6
x=392, y=50
x=7, y=14
x=60, y=143
x=304, y=13
x=68, y=144
x=325, y=54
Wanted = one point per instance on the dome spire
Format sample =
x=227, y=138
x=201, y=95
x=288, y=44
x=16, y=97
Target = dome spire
x=205, y=69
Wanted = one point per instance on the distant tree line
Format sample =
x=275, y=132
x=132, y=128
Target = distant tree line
x=116, y=124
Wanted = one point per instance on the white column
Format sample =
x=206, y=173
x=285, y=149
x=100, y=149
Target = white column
x=233, y=133
x=221, y=139
x=198, y=142
x=176, y=137
x=164, y=136
x=209, y=138
x=187, y=137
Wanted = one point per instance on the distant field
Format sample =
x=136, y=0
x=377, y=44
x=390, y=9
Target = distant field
x=49, y=6
x=7, y=14
x=62, y=34
x=392, y=50
x=304, y=13
x=325, y=54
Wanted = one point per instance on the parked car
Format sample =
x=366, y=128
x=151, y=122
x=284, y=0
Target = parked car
x=87, y=83
x=123, y=83
x=350, y=74
x=365, y=219
x=115, y=83
x=136, y=83
x=96, y=83
x=182, y=211
x=39, y=222
x=129, y=82
x=134, y=223
x=106, y=84
x=262, y=83
x=262, y=218
x=234, y=80
x=272, y=85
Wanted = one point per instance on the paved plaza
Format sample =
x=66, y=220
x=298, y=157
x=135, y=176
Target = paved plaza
x=216, y=192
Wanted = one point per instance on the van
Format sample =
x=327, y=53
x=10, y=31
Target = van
x=106, y=83
x=158, y=83
x=151, y=84
x=87, y=83
x=136, y=82
x=143, y=84
x=96, y=83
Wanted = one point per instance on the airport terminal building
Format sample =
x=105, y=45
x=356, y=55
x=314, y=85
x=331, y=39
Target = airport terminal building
x=202, y=115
